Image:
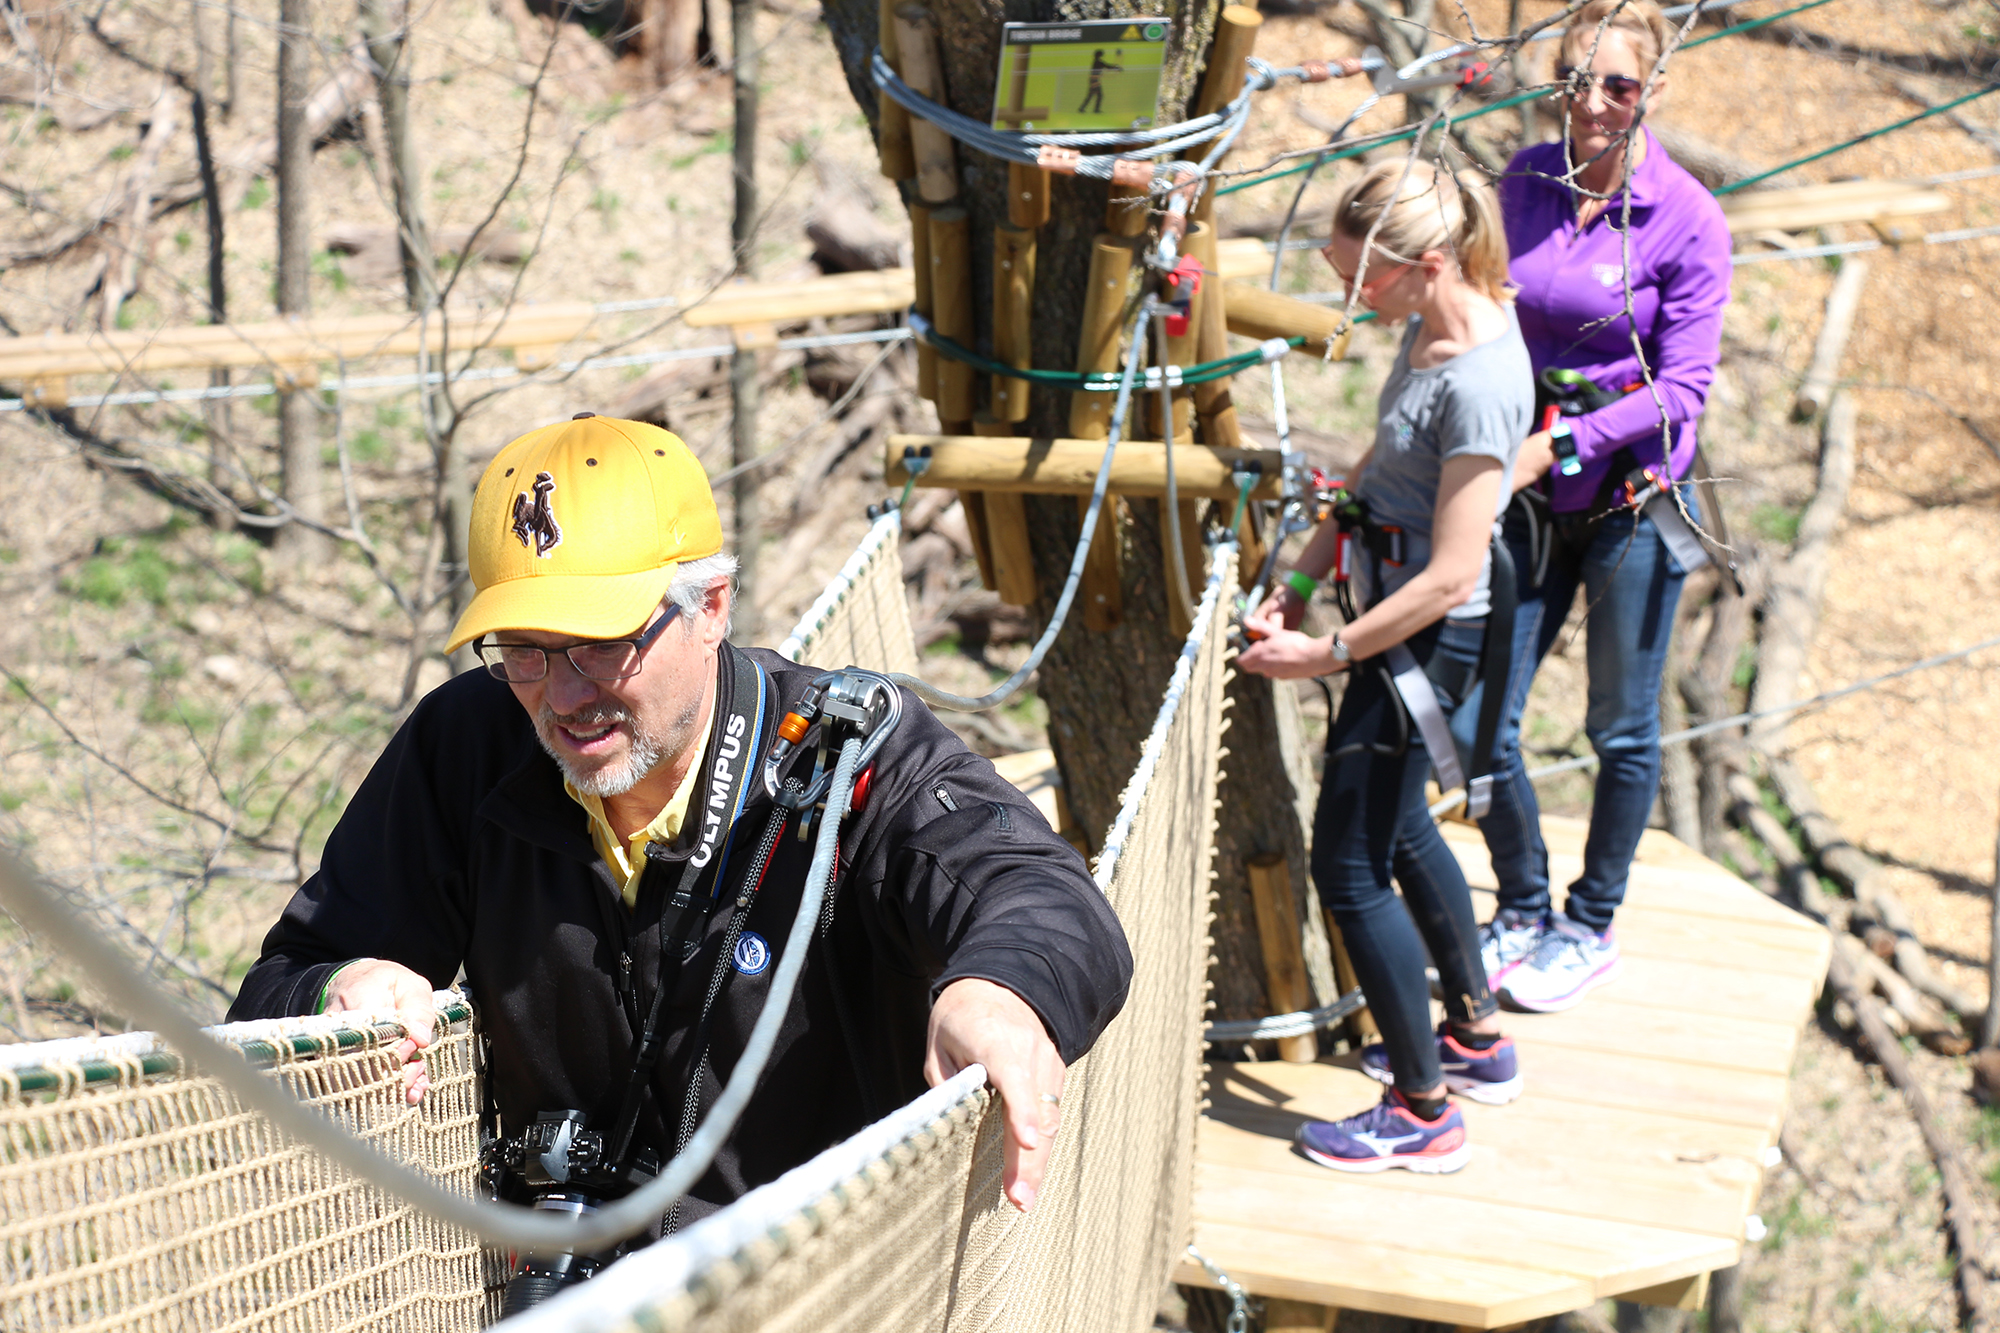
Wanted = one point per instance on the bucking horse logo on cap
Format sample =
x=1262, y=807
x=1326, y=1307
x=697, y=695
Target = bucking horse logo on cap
x=534, y=520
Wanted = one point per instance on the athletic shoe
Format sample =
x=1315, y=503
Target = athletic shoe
x=1491, y=1076
x=1388, y=1134
x=1508, y=940
x=1570, y=962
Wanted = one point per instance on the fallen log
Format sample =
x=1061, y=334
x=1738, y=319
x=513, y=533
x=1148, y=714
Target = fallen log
x=1860, y=874
x=1792, y=605
x=1842, y=304
x=1960, y=1193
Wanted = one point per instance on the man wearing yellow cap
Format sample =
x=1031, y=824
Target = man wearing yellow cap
x=580, y=827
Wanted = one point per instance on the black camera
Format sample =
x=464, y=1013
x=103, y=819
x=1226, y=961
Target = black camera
x=559, y=1165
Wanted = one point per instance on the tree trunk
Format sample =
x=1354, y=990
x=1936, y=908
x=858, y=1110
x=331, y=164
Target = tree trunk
x=743, y=386
x=1103, y=687
x=298, y=418
x=385, y=24
x=215, y=411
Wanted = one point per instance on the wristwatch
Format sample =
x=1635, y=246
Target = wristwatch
x=1563, y=445
x=1341, y=652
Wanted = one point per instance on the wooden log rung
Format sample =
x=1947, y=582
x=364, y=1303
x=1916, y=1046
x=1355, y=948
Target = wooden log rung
x=1021, y=465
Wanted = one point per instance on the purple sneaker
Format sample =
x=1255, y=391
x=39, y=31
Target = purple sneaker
x=1491, y=1076
x=1388, y=1134
x=1571, y=961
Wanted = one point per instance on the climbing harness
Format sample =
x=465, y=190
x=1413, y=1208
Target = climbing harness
x=1417, y=684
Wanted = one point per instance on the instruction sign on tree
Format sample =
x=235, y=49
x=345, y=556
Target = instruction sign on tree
x=1080, y=76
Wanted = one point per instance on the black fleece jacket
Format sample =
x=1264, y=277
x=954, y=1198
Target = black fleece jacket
x=461, y=849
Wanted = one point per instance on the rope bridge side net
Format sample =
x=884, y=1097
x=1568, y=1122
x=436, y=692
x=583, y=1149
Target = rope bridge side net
x=863, y=618
x=137, y=1195
x=904, y=1226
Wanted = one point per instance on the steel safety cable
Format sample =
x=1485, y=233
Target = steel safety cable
x=1516, y=99
x=1011, y=686
x=501, y=1224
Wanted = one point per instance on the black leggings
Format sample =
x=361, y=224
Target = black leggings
x=1372, y=825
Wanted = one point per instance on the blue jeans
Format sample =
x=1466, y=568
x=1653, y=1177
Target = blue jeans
x=1371, y=827
x=1631, y=586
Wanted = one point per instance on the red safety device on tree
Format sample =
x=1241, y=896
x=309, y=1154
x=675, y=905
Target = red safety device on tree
x=1186, y=283
x=1474, y=74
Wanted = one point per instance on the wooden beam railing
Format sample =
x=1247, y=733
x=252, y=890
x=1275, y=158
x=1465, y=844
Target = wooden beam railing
x=1069, y=467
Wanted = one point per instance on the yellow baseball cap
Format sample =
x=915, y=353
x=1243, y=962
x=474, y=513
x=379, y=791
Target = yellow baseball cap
x=577, y=529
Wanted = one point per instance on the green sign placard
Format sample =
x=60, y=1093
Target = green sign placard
x=1102, y=75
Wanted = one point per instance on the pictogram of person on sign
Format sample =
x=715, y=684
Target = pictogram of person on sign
x=1095, y=93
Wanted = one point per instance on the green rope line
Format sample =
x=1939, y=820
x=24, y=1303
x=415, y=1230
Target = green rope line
x=1859, y=139
x=1517, y=99
x=1094, y=381
x=260, y=1054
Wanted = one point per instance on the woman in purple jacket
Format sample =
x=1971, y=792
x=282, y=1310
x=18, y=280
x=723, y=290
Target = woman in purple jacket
x=1622, y=260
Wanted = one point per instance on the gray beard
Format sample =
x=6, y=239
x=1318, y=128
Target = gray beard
x=647, y=750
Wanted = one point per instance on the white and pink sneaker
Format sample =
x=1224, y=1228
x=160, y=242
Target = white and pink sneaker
x=1569, y=963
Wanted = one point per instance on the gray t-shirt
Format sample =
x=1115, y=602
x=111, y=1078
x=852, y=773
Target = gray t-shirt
x=1480, y=403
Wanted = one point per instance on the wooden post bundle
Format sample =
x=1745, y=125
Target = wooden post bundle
x=1006, y=521
x=1027, y=195
x=1284, y=954
x=1097, y=345
x=1090, y=417
x=1213, y=405
x=937, y=160
x=899, y=158
x=1013, y=312
x=1235, y=37
x=1128, y=211
x=952, y=314
x=920, y=264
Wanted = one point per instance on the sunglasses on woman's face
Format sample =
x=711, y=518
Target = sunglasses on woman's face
x=1620, y=88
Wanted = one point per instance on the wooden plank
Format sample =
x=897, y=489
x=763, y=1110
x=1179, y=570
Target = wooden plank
x=1027, y=195
x=922, y=68
x=1069, y=467
x=1253, y=312
x=1608, y=1022
x=1595, y=1249
x=1381, y=1279
x=1102, y=588
x=1214, y=405
x=1824, y=205
x=1013, y=560
x=1286, y=987
x=1636, y=1082
x=1283, y=1316
x=1630, y=1166
x=1013, y=312
x=1686, y=1293
x=1694, y=990
x=286, y=342
x=1241, y=259
x=795, y=302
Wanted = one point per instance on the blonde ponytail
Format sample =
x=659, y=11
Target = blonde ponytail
x=1641, y=20
x=1433, y=210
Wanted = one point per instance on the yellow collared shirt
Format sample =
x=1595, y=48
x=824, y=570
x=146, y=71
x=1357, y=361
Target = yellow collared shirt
x=628, y=860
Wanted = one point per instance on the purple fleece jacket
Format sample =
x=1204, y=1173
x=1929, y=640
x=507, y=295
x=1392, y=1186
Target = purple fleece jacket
x=1572, y=302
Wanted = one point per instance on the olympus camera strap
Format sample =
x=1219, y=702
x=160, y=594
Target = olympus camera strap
x=731, y=760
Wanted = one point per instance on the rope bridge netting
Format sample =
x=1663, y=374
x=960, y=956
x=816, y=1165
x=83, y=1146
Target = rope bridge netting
x=134, y=1195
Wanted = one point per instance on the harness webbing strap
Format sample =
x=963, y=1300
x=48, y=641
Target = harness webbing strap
x=1673, y=528
x=1420, y=698
x=1496, y=660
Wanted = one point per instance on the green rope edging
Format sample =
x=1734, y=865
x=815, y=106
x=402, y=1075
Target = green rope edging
x=1092, y=381
x=1859, y=139
x=1517, y=99
x=261, y=1054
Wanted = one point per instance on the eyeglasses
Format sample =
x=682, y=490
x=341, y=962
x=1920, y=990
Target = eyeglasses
x=1375, y=284
x=600, y=659
x=1620, y=88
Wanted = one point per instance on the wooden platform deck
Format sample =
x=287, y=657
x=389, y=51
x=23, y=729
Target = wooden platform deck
x=1626, y=1169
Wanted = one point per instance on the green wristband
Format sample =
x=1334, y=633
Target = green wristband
x=1302, y=583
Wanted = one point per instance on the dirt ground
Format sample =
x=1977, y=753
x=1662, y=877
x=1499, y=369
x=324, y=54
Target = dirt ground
x=173, y=686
